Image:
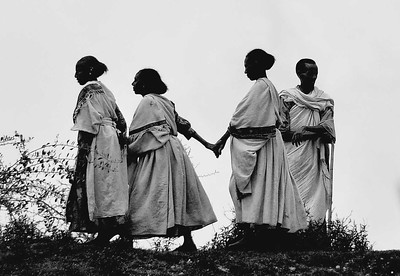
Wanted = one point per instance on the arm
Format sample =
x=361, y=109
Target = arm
x=305, y=132
x=121, y=126
x=185, y=128
x=121, y=123
x=284, y=128
x=323, y=130
x=208, y=145
x=85, y=141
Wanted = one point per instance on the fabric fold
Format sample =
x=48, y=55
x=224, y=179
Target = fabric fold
x=309, y=161
x=262, y=189
x=166, y=195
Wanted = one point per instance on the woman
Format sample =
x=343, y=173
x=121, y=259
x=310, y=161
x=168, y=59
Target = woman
x=98, y=198
x=262, y=189
x=166, y=196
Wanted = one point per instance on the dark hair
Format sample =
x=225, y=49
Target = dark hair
x=91, y=63
x=300, y=66
x=263, y=58
x=152, y=81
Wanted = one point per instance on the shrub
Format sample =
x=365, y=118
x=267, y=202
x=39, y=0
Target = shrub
x=36, y=184
x=15, y=238
x=226, y=235
x=342, y=235
x=346, y=235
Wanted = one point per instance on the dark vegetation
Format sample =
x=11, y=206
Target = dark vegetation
x=24, y=251
x=35, y=241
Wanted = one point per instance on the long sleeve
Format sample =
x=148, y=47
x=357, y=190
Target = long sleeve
x=284, y=127
x=184, y=127
x=121, y=123
x=88, y=119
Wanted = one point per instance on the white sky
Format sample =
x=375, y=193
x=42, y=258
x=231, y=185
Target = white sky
x=198, y=47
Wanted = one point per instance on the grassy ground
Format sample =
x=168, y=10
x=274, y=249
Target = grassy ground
x=69, y=258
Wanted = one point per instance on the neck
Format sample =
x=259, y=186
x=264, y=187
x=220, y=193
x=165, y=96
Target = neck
x=306, y=89
x=263, y=75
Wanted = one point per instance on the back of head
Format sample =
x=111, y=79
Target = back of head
x=301, y=64
x=152, y=80
x=264, y=59
x=91, y=63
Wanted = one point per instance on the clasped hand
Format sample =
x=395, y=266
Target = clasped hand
x=219, y=146
x=216, y=148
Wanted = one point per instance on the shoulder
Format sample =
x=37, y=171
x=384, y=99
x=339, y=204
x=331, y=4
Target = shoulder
x=289, y=91
x=93, y=87
x=288, y=94
x=147, y=99
x=322, y=93
x=89, y=90
x=324, y=96
x=263, y=83
x=146, y=102
x=154, y=100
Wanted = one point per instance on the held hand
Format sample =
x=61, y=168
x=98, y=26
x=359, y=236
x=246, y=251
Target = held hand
x=212, y=147
x=219, y=146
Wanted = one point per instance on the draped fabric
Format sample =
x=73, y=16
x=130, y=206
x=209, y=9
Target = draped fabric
x=100, y=184
x=262, y=189
x=166, y=196
x=309, y=161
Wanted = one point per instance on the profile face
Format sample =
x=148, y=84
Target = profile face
x=251, y=68
x=137, y=84
x=81, y=74
x=309, y=74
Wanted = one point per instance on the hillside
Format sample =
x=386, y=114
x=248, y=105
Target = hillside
x=70, y=258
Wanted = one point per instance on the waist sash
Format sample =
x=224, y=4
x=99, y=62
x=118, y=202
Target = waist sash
x=253, y=132
x=137, y=130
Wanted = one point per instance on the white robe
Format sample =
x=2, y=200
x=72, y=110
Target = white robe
x=308, y=162
x=165, y=191
x=106, y=175
x=262, y=189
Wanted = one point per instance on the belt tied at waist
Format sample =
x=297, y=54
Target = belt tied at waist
x=150, y=125
x=108, y=122
x=253, y=132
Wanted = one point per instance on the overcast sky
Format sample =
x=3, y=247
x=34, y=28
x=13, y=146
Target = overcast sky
x=198, y=47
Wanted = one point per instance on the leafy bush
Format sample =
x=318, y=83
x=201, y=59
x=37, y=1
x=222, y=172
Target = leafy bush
x=346, y=235
x=22, y=239
x=226, y=235
x=36, y=184
x=20, y=230
x=342, y=235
